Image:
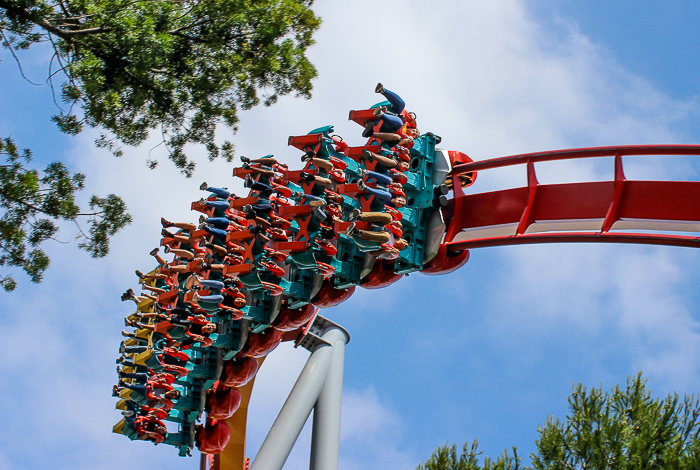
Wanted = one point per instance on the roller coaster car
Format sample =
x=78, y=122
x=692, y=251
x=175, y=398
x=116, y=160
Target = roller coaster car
x=285, y=281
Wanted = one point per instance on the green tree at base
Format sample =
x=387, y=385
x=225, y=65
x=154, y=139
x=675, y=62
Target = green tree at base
x=624, y=429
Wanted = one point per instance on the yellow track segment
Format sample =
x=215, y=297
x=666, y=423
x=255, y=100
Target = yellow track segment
x=233, y=456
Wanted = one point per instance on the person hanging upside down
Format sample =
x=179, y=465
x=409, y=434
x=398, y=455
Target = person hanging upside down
x=276, y=184
x=320, y=180
x=379, y=218
x=388, y=198
x=398, y=106
x=145, y=428
x=222, y=193
x=389, y=251
x=268, y=161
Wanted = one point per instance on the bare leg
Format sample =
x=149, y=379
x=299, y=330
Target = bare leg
x=381, y=218
x=262, y=171
x=323, y=164
x=179, y=268
x=263, y=161
x=157, y=290
x=184, y=254
x=381, y=159
x=180, y=238
x=185, y=226
x=181, y=225
x=370, y=236
x=158, y=275
x=387, y=136
x=219, y=250
x=325, y=182
x=217, y=267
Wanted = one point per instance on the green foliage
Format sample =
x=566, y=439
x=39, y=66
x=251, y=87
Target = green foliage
x=31, y=204
x=618, y=430
x=446, y=458
x=622, y=429
x=180, y=67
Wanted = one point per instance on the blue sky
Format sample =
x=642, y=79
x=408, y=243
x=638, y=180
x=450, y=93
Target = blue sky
x=487, y=352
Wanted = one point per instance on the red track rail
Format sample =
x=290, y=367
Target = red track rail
x=556, y=213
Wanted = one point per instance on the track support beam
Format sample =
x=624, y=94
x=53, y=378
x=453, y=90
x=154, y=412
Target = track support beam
x=319, y=386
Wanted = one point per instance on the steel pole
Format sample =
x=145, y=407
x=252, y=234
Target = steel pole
x=325, y=439
x=284, y=432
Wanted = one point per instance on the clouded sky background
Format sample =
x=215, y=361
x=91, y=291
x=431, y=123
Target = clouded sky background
x=487, y=352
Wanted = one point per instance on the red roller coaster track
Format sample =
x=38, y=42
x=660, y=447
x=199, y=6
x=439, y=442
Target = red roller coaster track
x=576, y=212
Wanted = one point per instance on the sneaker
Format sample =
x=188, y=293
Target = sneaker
x=115, y=391
x=120, y=360
x=369, y=130
x=361, y=184
x=255, y=230
x=245, y=159
x=246, y=166
x=165, y=223
x=165, y=234
x=354, y=215
x=308, y=156
x=309, y=178
x=128, y=413
x=297, y=194
x=202, y=219
x=367, y=154
x=125, y=296
x=251, y=214
x=122, y=348
x=204, y=186
x=247, y=208
x=378, y=111
x=248, y=183
x=167, y=249
x=139, y=274
x=126, y=334
x=127, y=322
x=202, y=226
x=196, y=297
x=154, y=252
x=317, y=203
x=351, y=230
x=379, y=88
x=119, y=370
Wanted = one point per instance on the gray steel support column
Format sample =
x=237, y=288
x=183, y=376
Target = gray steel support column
x=284, y=432
x=325, y=440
